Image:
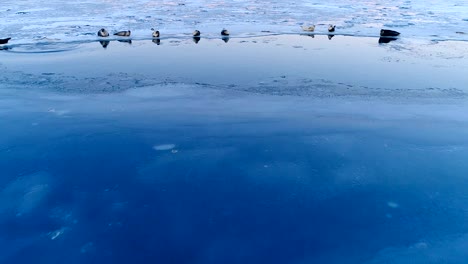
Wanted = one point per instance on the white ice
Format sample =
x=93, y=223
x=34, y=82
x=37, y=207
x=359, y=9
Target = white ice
x=29, y=21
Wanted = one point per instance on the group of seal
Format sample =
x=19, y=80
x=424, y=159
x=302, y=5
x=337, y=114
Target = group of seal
x=103, y=33
x=311, y=28
x=126, y=33
x=386, y=35
x=331, y=28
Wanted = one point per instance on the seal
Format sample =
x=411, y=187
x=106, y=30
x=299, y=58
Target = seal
x=197, y=33
x=4, y=41
x=331, y=28
x=388, y=33
x=155, y=33
x=308, y=28
x=123, y=33
x=103, y=33
x=224, y=32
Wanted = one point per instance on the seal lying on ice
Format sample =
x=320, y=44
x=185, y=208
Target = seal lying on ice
x=155, y=33
x=308, y=28
x=388, y=33
x=103, y=33
x=4, y=41
x=123, y=33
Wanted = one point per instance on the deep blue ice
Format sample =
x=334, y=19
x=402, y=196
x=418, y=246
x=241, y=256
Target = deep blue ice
x=279, y=149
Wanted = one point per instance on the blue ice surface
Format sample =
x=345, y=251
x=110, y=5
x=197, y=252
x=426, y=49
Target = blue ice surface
x=285, y=149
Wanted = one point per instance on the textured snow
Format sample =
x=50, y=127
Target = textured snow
x=57, y=20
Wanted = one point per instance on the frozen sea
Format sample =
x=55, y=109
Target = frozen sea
x=272, y=146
